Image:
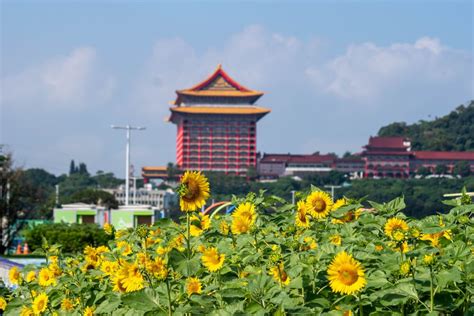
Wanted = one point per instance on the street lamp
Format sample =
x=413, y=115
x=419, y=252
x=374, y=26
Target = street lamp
x=128, y=128
x=332, y=187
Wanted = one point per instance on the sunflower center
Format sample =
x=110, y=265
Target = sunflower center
x=319, y=205
x=40, y=305
x=192, y=190
x=302, y=216
x=348, y=276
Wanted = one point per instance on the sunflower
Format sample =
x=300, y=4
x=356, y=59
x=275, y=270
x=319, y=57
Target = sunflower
x=130, y=277
x=162, y=250
x=310, y=243
x=30, y=276
x=240, y=225
x=46, y=277
x=345, y=274
x=339, y=203
x=279, y=274
x=108, y=229
x=428, y=259
x=301, y=219
x=434, y=238
x=193, y=285
x=40, y=303
x=109, y=267
x=3, y=303
x=212, y=260
x=14, y=275
x=318, y=204
x=193, y=191
x=89, y=311
x=26, y=311
x=67, y=304
x=405, y=268
x=224, y=228
x=199, y=225
x=157, y=268
x=393, y=225
x=246, y=210
x=335, y=239
x=125, y=247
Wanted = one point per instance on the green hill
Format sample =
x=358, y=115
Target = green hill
x=453, y=132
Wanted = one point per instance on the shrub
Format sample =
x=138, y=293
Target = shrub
x=72, y=237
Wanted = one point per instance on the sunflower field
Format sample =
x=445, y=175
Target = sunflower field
x=268, y=257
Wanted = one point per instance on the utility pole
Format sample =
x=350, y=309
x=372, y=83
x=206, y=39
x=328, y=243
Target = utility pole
x=332, y=189
x=57, y=195
x=128, y=128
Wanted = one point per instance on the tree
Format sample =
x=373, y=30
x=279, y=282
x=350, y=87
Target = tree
x=441, y=169
x=83, y=169
x=462, y=168
x=72, y=167
x=93, y=196
x=12, y=201
x=423, y=171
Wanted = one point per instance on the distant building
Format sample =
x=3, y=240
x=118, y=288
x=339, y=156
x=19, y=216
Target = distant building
x=81, y=213
x=216, y=126
x=272, y=166
x=387, y=157
x=158, y=199
x=392, y=157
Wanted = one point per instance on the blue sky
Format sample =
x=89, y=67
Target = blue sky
x=333, y=72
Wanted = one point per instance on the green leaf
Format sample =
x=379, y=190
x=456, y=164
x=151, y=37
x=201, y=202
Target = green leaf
x=143, y=300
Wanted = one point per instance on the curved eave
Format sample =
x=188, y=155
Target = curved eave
x=251, y=94
x=258, y=111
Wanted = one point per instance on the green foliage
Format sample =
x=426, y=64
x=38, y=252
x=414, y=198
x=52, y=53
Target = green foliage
x=72, y=237
x=462, y=168
x=453, y=132
x=93, y=196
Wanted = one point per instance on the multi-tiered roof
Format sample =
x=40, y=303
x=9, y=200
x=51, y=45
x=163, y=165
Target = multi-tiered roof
x=218, y=94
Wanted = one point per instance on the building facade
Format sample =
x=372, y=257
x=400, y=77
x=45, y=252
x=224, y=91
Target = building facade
x=392, y=157
x=217, y=125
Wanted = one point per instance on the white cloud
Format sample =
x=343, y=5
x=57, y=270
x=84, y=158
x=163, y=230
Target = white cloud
x=368, y=73
x=62, y=82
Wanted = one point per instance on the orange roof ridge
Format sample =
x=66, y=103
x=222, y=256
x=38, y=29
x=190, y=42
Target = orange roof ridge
x=219, y=71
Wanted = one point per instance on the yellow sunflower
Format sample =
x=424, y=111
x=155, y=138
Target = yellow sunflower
x=46, y=277
x=318, y=204
x=193, y=191
x=109, y=267
x=224, y=228
x=30, y=276
x=405, y=268
x=89, y=311
x=14, y=275
x=246, y=210
x=393, y=225
x=157, y=268
x=199, y=224
x=240, y=225
x=40, y=303
x=301, y=219
x=26, y=311
x=279, y=274
x=434, y=238
x=309, y=243
x=3, y=303
x=67, y=304
x=335, y=239
x=108, y=229
x=193, y=285
x=212, y=260
x=130, y=277
x=345, y=274
x=125, y=248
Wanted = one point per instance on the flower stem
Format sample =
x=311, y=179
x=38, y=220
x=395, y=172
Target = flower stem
x=431, y=290
x=169, y=296
x=361, y=310
x=188, y=241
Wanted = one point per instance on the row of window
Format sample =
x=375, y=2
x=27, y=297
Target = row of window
x=194, y=140
x=220, y=121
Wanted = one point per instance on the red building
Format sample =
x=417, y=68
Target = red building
x=217, y=125
x=391, y=157
x=387, y=157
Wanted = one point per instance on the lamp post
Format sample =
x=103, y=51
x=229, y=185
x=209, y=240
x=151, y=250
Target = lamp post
x=332, y=187
x=128, y=128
